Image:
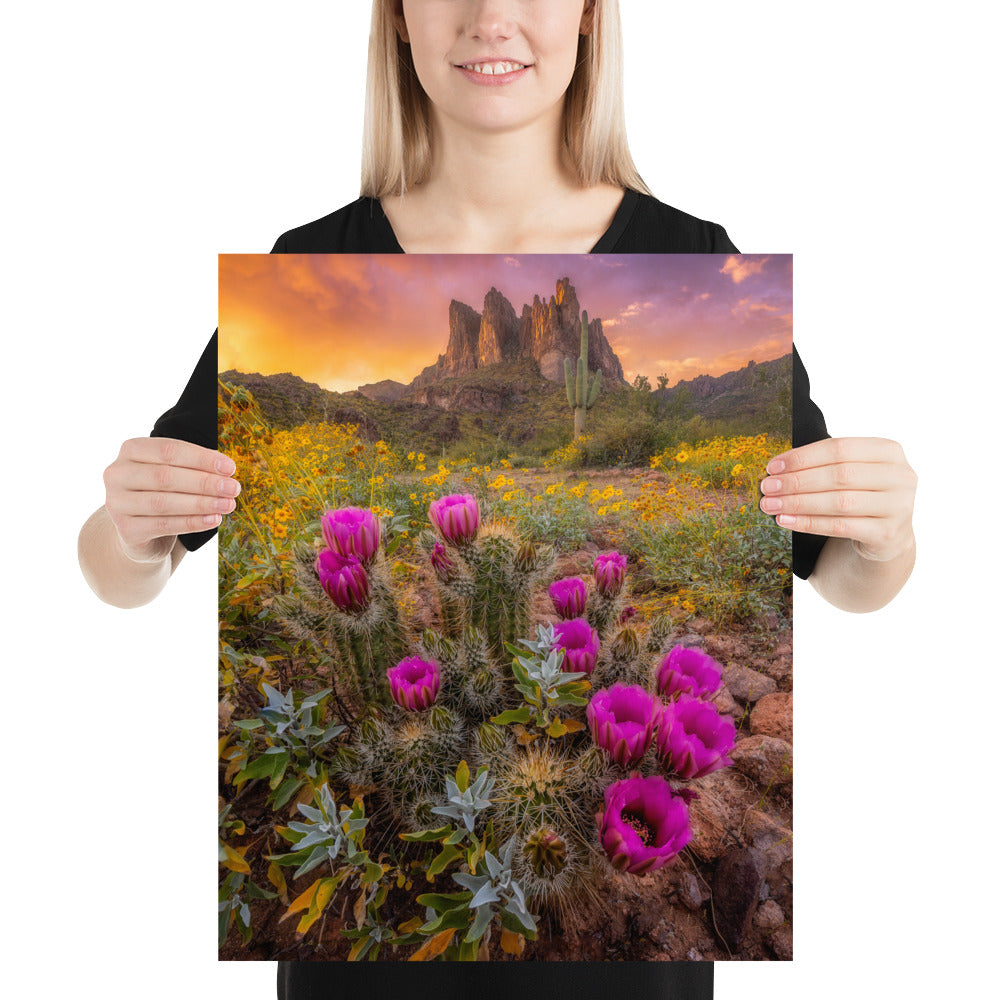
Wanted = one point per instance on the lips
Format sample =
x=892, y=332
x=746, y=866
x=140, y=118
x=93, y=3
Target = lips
x=494, y=67
x=493, y=72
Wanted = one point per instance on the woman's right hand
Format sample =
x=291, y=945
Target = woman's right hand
x=159, y=488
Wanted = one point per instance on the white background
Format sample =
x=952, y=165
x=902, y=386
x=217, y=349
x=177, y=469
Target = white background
x=144, y=139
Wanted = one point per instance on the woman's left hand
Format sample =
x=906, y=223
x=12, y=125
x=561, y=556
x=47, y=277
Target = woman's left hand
x=852, y=487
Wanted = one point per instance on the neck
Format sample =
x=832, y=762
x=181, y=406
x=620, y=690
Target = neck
x=482, y=176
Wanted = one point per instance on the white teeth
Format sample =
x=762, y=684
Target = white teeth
x=495, y=69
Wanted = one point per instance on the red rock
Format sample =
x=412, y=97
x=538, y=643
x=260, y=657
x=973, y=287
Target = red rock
x=748, y=685
x=769, y=915
x=772, y=716
x=781, y=943
x=765, y=759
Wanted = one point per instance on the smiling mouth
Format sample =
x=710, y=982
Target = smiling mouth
x=493, y=68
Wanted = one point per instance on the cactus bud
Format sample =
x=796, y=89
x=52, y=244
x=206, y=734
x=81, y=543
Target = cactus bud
x=492, y=738
x=546, y=851
x=625, y=646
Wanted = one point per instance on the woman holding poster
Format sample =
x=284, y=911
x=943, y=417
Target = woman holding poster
x=496, y=127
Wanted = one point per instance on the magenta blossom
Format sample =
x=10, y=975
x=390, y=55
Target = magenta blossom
x=444, y=568
x=609, y=573
x=579, y=643
x=456, y=517
x=569, y=597
x=626, y=614
x=344, y=579
x=352, y=531
x=644, y=824
x=622, y=720
x=693, y=738
x=414, y=683
x=687, y=669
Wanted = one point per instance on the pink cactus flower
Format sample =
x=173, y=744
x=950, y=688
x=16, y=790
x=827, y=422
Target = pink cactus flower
x=352, y=531
x=344, y=579
x=609, y=573
x=687, y=669
x=414, y=683
x=456, y=517
x=569, y=597
x=693, y=738
x=622, y=720
x=580, y=645
x=644, y=824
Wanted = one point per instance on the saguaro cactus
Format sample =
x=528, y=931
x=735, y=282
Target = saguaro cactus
x=581, y=391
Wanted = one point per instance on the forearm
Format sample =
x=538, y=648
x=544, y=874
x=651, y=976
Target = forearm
x=112, y=575
x=852, y=583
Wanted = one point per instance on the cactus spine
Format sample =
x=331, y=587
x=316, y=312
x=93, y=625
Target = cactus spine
x=581, y=391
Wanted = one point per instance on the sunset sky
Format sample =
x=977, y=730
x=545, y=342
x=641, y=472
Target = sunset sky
x=342, y=320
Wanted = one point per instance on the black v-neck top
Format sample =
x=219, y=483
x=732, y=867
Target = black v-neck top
x=641, y=224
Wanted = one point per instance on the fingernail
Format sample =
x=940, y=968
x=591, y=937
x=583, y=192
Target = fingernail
x=211, y=519
x=786, y=519
x=770, y=504
x=771, y=485
x=229, y=487
x=775, y=466
x=225, y=465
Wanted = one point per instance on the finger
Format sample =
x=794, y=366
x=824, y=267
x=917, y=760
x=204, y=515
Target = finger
x=828, y=478
x=833, y=451
x=135, y=531
x=174, y=452
x=841, y=503
x=866, y=530
x=142, y=477
x=157, y=504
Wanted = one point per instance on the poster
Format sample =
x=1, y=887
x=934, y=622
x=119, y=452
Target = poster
x=505, y=639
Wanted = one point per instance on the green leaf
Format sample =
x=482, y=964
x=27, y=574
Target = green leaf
x=450, y=918
x=511, y=922
x=254, y=891
x=440, y=902
x=373, y=873
x=424, y=835
x=248, y=723
x=281, y=762
x=522, y=714
x=447, y=855
x=288, y=788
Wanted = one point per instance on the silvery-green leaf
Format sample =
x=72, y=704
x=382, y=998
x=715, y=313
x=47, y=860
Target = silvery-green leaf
x=486, y=894
x=493, y=864
x=311, y=811
x=317, y=857
x=473, y=882
x=518, y=894
x=483, y=917
x=508, y=852
x=245, y=914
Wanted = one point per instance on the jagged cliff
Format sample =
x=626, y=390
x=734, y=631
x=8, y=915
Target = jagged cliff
x=547, y=331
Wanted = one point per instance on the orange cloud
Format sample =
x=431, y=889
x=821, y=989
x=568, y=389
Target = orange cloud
x=740, y=267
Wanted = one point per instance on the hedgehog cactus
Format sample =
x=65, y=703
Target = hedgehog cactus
x=463, y=692
x=489, y=579
x=581, y=391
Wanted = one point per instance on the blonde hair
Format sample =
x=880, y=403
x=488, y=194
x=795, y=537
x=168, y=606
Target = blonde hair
x=396, y=142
